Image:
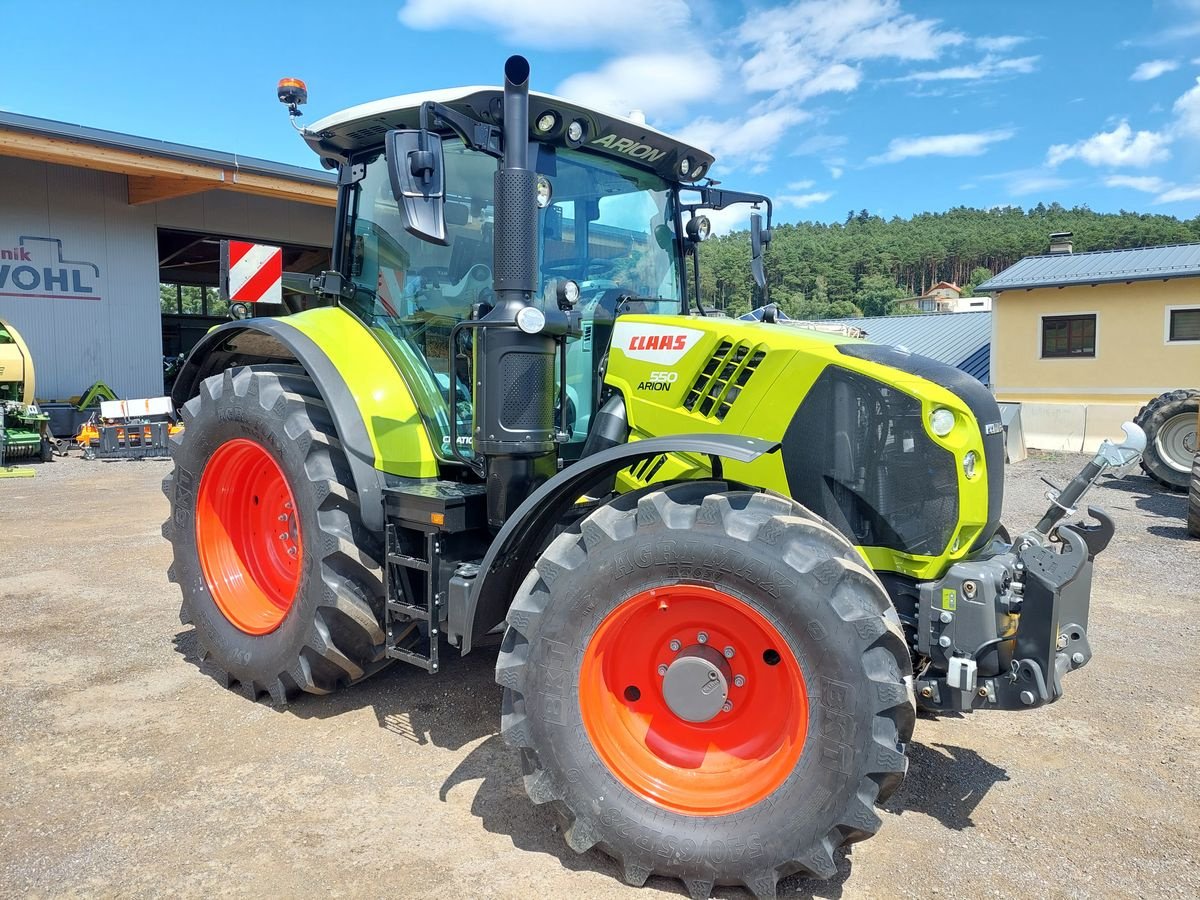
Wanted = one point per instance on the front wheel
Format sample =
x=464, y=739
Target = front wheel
x=279, y=577
x=707, y=684
x=1170, y=423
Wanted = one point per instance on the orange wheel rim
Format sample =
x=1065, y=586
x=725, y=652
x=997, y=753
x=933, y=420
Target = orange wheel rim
x=725, y=763
x=248, y=536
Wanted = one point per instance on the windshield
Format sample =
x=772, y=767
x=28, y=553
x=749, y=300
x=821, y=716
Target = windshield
x=608, y=227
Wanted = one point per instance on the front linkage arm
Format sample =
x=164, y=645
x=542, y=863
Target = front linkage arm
x=1000, y=630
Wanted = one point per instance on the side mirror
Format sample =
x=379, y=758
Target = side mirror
x=416, y=169
x=759, y=238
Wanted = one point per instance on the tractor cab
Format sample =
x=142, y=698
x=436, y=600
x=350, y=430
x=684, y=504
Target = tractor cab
x=611, y=235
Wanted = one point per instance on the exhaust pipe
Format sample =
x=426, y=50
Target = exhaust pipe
x=514, y=381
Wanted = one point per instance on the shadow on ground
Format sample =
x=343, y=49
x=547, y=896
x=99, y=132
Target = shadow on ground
x=462, y=706
x=946, y=785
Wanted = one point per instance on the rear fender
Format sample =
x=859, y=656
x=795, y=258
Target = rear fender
x=517, y=544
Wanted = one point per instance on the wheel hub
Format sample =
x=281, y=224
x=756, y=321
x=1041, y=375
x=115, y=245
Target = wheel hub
x=696, y=685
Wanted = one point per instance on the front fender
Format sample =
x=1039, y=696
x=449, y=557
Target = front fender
x=516, y=545
x=372, y=409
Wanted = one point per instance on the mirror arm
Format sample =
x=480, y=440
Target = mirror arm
x=475, y=134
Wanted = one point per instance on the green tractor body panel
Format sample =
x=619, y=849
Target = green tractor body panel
x=721, y=376
x=379, y=387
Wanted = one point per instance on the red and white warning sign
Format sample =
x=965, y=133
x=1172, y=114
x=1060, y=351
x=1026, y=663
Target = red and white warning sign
x=251, y=273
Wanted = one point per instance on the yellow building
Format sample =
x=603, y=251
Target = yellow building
x=1082, y=340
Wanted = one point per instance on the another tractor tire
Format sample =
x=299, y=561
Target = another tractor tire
x=1193, y=514
x=1169, y=421
x=279, y=577
x=632, y=627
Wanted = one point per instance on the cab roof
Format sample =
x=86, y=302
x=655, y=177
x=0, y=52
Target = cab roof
x=636, y=143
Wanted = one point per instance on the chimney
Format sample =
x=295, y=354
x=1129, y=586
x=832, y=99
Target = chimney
x=1060, y=242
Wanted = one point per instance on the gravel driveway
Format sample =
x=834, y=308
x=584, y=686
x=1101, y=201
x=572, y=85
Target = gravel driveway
x=124, y=770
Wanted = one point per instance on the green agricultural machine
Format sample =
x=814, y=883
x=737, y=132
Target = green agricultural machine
x=24, y=429
x=729, y=560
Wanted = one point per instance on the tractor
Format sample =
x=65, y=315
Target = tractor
x=725, y=561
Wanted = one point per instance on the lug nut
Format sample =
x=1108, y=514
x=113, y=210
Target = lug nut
x=728, y=707
x=662, y=669
x=287, y=505
x=291, y=551
x=728, y=653
x=283, y=517
x=739, y=680
x=702, y=637
x=283, y=537
x=675, y=645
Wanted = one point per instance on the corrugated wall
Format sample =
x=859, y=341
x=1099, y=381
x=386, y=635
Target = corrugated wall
x=96, y=315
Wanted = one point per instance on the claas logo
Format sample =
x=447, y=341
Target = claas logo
x=658, y=342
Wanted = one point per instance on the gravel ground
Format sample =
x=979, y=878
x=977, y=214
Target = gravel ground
x=125, y=771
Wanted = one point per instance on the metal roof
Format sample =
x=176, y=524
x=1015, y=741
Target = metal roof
x=961, y=340
x=100, y=137
x=1098, y=267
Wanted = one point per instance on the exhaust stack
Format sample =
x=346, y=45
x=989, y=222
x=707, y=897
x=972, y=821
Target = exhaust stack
x=514, y=356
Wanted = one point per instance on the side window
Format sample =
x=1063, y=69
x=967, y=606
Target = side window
x=1069, y=336
x=1183, y=325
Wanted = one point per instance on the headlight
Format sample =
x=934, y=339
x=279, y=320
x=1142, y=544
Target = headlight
x=941, y=421
x=544, y=192
x=547, y=122
x=531, y=320
x=969, y=462
x=575, y=132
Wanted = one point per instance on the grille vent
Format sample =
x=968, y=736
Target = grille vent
x=645, y=470
x=719, y=385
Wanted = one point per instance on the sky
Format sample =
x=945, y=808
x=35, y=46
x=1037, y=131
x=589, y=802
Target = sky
x=894, y=106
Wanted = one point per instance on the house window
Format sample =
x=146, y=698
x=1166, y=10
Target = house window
x=1068, y=336
x=1183, y=324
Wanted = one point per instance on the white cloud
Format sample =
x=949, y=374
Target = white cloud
x=659, y=84
x=1187, y=112
x=803, y=185
x=1149, y=184
x=1022, y=184
x=988, y=67
x=1119, y=147
x=970, y=144
x=837, y=77
x=1179, y=193
x=731, y=218
x=835, y=172
x=791, y=45
x=999, y=44
x=737, y=139
x=1151, y=69
x=802, y=200
x=614, y=23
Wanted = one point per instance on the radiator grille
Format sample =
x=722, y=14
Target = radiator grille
x=727, y=372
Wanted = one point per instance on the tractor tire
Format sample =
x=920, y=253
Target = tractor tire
x=279, y=577
x=1169, y=421
x=615, y=640
x=1193, y=514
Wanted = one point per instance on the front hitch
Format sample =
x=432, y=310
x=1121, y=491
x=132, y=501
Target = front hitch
x=1001, y=630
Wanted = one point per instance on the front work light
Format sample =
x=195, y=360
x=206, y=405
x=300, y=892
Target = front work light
x=546, y=123
x=699, y=228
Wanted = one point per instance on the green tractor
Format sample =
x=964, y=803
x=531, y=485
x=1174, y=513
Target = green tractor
x=729, y=560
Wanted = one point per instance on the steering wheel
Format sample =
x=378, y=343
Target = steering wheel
x=563, y=265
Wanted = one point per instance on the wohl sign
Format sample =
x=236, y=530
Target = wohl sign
x=35, y=268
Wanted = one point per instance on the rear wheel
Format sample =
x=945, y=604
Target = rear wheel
x=1169, y=421
x=279, y=577
x=707, y=684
